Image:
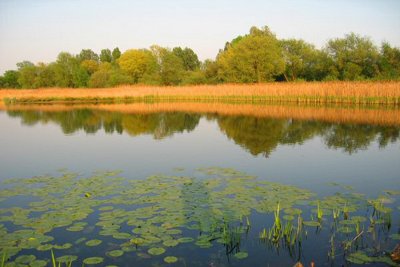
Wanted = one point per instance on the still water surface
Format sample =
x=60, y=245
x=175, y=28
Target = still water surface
x=325, y=159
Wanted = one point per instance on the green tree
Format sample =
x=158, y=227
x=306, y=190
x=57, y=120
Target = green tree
x=210, y=69
x=27, y=74
x=10, y=79
x=389, y=62
x=116, y=54
x=88, y=54
x=90, y=66
x=256, y=57
x=69, y=72
x=303, y=60
x=170, y=66
x=105, y=55
x=45, y=75
x=137, y=63
x=108, y=75
x=354, y=57
x=188, y=57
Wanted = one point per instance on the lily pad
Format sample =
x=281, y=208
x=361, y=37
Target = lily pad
x=44, y=247
x=115, y=253
x=156, y=251
x=25, y=259
x=312, y=223
x=93, y=242
x=171, y=243
x=170, y=259
x=67, y=258
x=38, y=263
x=185, y=239
x=93, y=260
x=241, y=255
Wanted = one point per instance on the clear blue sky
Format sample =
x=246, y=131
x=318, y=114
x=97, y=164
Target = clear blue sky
x=37, y=30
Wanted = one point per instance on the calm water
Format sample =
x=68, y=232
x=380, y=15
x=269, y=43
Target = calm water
x=324, y=159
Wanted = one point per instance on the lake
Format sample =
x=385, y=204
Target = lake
x=199, y=185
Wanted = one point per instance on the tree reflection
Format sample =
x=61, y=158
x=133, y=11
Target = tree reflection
x=160, y=125
x=263, y=135
x=258, y=135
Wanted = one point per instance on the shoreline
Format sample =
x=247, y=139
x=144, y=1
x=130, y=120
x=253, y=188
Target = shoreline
x=363, y=93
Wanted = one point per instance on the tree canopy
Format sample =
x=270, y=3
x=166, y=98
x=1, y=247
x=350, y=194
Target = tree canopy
x=258, y=56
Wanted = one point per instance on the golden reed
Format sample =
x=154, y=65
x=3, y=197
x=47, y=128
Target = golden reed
x=335, y=91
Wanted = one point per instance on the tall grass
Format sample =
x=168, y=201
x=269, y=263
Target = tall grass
x=305, y=92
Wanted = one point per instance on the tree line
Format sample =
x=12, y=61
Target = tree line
x=258, y=56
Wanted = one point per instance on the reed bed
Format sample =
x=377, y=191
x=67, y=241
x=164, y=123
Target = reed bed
x=304, y=92
x=336, y=114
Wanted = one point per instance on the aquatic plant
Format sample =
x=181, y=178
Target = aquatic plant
x=152, y=215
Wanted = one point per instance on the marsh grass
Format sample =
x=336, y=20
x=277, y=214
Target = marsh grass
x=387, y=93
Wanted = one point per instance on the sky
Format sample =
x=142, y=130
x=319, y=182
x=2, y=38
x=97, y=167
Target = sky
x=37, y=30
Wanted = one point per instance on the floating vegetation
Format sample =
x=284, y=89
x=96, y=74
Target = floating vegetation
x=156, y=251
x=93, y=260
x=170, y=259
x=147, y=218
x=115, y=253
x=241, y=255
x=93, y=243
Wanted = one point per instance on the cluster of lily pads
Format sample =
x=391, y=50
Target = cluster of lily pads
x=147, y=218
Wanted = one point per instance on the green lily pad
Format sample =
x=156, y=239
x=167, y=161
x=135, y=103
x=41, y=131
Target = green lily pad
x=25, y=259
x=345, y=230
x=171, y=243
x=185, y=239
x=241, y=255
x=93, y=260
x=38, y=263
x=156, y=251
x=64, y=246
x=122, y=236
x=67, y=258
x=93, y=242
x=75, y=228
x=80, y=240
x=312, y=223
x=170, y=259
x=44, y=247
x=115, y=253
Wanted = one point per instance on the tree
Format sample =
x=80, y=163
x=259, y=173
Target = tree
x=137, y=63
x=90, y=66
x=389, y=62
x=170, y=66
x=189, y=58
x=45, y=75
x=10, y=79
x=116, y=54
x=87, y=54
x=69, y=72
x=108, y=75
x=256, y=57
x=27, y=74
x=210, y=69
x=354, y=57
x=105, y=55
x=302, y=60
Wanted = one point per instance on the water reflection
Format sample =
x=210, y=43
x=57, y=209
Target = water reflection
x=257, y=135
